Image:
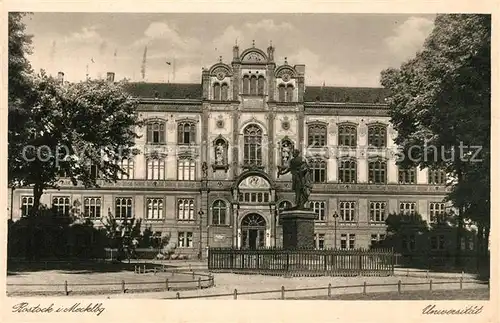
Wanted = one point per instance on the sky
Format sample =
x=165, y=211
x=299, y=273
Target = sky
x=337, y=49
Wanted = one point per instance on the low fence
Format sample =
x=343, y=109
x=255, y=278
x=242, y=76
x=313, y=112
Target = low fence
x=274, y=261
x=363, y=289
x=174, y=280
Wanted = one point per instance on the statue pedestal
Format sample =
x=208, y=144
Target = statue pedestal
x=298, y=229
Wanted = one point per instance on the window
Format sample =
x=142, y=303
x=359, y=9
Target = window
x=219, y=211
x=438, y=242
x=318, y=170
x=61, y=205
x=343, y=241
x=436, y=210
x=246, y=84
x=281, y=93
x=252, y=138
x=408, y=242
x=377, y=211
x=123, y=207
x=261, y=86
x=289, y=93
x=347, y=135
x=253, y=85
x=347, y=211
x=437, y=177
x=319, y=208
x=185, y=209
x=26, y=205
x=127, y=165
x=254, y=197
x=316, y=135
x=155, y=168
x=185, y=240
x=319, y=241
x=407, y=208
x=156, y=132
x=92, y=207
x=186, y=169
x=407, y=176
x=224, y=92
x=217, y=93
x=377, y=170
x=94, y=171
x=155, y=208
x=377, y=237
x=186, y=133
x=347, y=171
x=352, y=241
x=377, y=136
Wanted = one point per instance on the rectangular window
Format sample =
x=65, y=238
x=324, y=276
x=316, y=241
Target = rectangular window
x=343, y=241
x=377, y=172
x=436, y=211
x=347, y=135
x=186, y=169
x=155, y=169
x=319, y=241
x=127, y=165
x=123, y=207
x=438, y=242
x=26, y=205
x=185, y=209
x=377, y=211
x=319, y=208
x=377, y=136
x=347, y=211
x=407, y=208
x=407, y=176
x=92, y=207
x=352, y=241
x=318, y=170
x=437, y=177
x=185, y=239
x=186, y=133
x=94, y=172
x=316, y=135
x=61, y=205
x=376, y=237
x=154, y=208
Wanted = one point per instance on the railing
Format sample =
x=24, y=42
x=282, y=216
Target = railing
x=276, y=261
x=362, y=288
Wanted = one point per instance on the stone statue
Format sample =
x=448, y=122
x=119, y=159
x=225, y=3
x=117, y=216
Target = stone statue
x=301, y=178
x=285, y=154
x=219, y=154
x=204, y=169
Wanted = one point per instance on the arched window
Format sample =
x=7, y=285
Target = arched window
x=219, y=212
x=347, y=135
x=252, y=138
x=246, y=84
x=156, y=132
x=289, y=93
x=281, y=93
x=253, y=85
x=316, y=135
x=377, y=171
x=318, y=170
x=261, y=85
x=224, y=92
x=217, y=95
x=186, y=133
x=284, y=205
x=155, y=168
x=377, y=135
x=347, y=171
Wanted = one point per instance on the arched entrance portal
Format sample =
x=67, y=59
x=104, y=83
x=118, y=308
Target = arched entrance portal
x=253, y=231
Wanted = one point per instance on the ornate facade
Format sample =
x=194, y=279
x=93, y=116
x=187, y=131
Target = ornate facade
x=210, y=155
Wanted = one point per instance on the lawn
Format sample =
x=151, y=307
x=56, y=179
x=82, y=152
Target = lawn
x=467, y=294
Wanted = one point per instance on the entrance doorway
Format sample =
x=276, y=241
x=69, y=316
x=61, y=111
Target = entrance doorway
x=253, y=231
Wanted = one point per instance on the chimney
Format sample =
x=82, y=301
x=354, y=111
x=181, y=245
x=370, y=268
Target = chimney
x=110, y=76
x=60, y=77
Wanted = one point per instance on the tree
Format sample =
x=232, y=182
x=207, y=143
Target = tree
x=440, y=107
x=77, y=130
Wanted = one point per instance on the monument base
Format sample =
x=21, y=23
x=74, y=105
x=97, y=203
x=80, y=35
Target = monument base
x=298, y=229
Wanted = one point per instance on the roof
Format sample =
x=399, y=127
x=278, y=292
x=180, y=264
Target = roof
x=312, y=94
x=165, y=90
x=345, y=94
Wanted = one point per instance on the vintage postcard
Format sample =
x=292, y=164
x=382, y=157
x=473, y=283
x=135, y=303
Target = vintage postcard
x=157, y=161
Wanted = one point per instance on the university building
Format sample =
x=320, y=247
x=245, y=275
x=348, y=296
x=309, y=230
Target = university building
x=210, y=154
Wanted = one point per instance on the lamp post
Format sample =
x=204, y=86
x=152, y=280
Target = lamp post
x=200, y=215
x=272, y=211
x=335, y=216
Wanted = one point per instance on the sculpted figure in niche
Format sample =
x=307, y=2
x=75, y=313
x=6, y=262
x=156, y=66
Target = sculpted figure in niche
x=286, y=151
x=220, y=153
